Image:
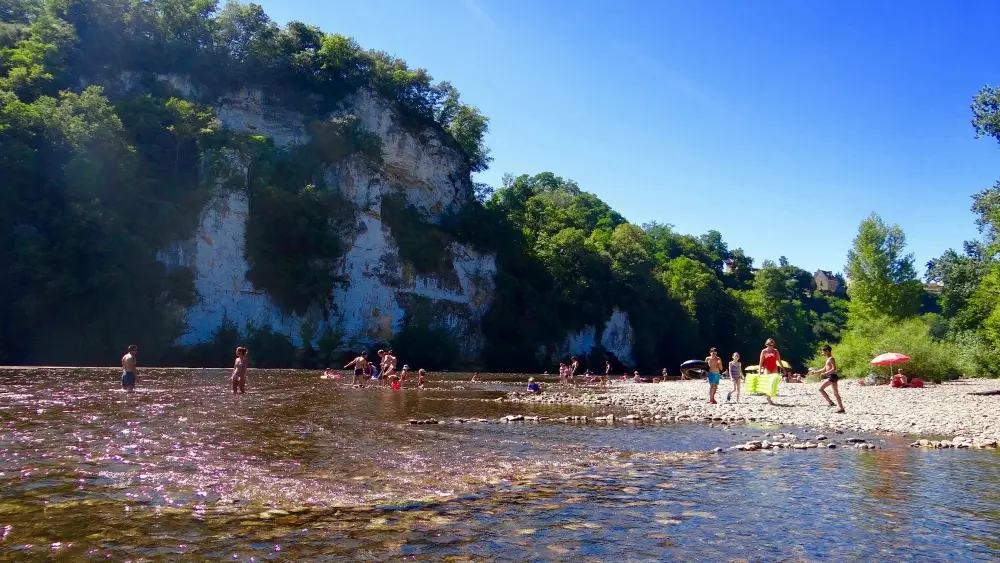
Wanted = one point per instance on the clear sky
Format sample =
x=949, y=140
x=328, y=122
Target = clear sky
x=781, y=124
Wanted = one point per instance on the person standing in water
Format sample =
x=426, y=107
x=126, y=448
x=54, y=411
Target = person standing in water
x=829, y=373
x=714, y=374
x=128, y=368
x=770, y=358
x=574, y=366
x=389, y=364
x=240, y=371
x=736, y=374
x=359, y=367
x=607, y=372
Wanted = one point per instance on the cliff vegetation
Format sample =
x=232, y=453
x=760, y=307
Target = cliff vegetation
x=98, y=177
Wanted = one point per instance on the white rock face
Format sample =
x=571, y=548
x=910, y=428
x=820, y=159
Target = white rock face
x=616, y=337
x=424, y=166
x=369, y=308
x=579, y=343
x=216, y=255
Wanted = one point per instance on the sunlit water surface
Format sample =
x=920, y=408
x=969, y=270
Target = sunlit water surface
x=306, y=469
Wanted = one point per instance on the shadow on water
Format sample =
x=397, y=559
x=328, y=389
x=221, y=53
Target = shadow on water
x=305, y=469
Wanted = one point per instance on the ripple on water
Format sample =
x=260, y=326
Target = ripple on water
x=294, y=469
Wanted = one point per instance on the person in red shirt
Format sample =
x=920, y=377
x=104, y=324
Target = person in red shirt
x=770, y=358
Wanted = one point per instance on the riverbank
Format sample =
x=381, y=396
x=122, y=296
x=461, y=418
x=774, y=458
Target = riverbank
x=947, y=409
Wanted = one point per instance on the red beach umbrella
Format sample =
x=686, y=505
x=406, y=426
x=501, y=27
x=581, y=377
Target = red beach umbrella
x=890, y=358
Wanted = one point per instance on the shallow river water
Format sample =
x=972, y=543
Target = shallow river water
x=303, y=469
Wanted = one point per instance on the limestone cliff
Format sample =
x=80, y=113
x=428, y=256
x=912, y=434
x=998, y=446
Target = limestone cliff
x=615, y=337
x=369, y=306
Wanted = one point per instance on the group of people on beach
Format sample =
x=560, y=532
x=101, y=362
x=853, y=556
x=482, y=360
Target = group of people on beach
x=769, y=365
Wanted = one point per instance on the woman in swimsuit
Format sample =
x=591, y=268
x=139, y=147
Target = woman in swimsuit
x=240, y=371
x=769, y=360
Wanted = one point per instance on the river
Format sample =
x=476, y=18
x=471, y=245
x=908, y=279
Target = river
x=305, y=469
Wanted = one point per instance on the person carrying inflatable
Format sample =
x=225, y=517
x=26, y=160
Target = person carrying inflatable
x=766, y=380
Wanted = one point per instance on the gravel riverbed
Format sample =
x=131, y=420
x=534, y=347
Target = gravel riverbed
x=944, y=410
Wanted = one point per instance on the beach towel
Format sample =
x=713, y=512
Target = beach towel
x=762, y=384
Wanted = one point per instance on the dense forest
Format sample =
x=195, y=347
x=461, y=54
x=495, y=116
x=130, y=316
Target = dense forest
x=97, y=180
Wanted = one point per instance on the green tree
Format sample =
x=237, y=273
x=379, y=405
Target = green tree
x=960, y=275
x=781, y=315
x=883, y=279
x=740, y=270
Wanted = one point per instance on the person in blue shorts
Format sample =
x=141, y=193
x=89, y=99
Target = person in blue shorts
x=714, y=374
x=128, y=369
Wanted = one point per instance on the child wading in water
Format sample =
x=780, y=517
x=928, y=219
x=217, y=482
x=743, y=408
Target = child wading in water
x=736, y=374
x=240, y=371
x=829, y=373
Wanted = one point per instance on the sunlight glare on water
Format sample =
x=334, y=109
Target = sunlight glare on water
x=305, y=468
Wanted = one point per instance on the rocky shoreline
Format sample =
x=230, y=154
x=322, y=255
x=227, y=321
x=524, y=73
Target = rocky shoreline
x=946, y=410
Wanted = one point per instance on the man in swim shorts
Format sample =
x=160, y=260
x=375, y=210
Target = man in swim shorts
x=714, y=374
x=128, y=369
x=359, y=367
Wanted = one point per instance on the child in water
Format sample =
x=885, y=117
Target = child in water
x=372, y=373
x=240, y=371
x=421, y=373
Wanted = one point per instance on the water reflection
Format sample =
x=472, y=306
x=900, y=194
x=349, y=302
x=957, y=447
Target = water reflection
x=301, y=469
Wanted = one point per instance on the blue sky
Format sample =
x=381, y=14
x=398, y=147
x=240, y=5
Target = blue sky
x=781, y=124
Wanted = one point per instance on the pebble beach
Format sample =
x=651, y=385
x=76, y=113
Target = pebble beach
x=950, y=411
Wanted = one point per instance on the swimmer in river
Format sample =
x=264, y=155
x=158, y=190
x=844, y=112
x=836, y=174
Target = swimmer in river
x=574, y=365
x=240, y=371
x=359, y=367
x=128, y=368
x=475, y=378
x=421, y=373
